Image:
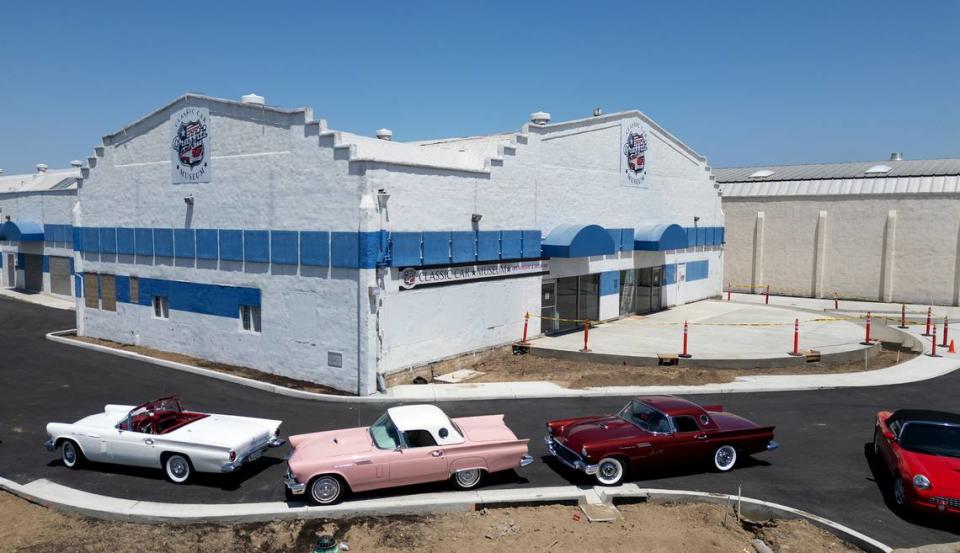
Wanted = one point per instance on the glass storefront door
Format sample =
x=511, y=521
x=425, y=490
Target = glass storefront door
x=577, y=298
x=567, y=303
x=548, y=307
x=641, y=290
x=628, y=292
x=656, y=290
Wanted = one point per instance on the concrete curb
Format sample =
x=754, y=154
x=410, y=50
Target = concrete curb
x=62, y=498
x=547, y=390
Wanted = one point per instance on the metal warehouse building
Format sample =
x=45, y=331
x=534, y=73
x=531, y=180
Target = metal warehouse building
x=36, y=234
x=257, y=236
x=885, y=230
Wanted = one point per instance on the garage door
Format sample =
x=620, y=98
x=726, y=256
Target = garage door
x=60, y=275
x=33, y=272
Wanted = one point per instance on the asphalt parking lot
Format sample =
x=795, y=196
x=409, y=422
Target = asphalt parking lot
x=822, y=465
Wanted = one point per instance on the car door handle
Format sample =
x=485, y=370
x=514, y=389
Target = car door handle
x=701, y=436
x=93, y=435
x=148, y=441
x=437, y=453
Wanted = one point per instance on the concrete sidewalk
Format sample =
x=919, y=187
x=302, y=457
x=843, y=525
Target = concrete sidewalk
x=45, y=300
x=915, y=312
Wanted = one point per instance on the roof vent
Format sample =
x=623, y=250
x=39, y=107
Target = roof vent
x=42, y=167
x=76, y=163
x=384, y=134
x=1, y=171
x=539, y=118
x=252, y=99
x=878, y=169
x=896, y=156
x=761, y=174
x=597, y=112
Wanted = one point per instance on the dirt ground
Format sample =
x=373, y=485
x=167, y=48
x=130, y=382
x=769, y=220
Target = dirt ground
x=690, y=528
x=235, y=370
x=501, y=365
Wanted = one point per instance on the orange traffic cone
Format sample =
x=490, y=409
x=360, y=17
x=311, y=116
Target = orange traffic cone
x=951, y=349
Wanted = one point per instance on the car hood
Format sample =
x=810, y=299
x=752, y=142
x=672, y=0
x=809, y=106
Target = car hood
x=237, y=433
x=332, y=444
x=590, y=430
x=943, y=472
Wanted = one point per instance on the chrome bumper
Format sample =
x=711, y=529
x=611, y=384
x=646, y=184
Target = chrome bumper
x=578, y=464
x=771, y=445
x=50, y=445
x=232, y=466
x=526, y=460
x=276, y=442
x=296, y=488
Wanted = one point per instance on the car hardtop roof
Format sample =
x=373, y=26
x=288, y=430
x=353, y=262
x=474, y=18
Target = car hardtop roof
x=925, y=415
x=672, y=405
x=419, y=417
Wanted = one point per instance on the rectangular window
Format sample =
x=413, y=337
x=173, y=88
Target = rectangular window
x=161, y=307
x=134, y=290
x=91, y=290
x=250, y=318
x=108, y=292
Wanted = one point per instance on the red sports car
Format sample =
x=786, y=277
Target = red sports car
x=651, y=431
x=921, y=449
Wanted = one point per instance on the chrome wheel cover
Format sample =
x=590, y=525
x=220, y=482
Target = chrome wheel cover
x=325, y=490
x=609, y=472
x=468, y=478
x=178, y=468
x=69, y=454
x=725, y=457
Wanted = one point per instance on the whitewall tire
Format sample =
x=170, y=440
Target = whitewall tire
x=725, y=458
x=178, y=469
x=610, y=471
x=70, y=454
x=326, y=490
x=467, y=479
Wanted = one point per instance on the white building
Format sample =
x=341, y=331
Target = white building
x=257, y=236
x=36, y=233
x=879, y=230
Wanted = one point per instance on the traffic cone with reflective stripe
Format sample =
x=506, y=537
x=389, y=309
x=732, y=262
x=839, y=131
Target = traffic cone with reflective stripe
x=951, y=349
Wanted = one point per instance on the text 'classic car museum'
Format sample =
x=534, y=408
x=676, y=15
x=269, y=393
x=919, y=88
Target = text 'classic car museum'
x=257, y=236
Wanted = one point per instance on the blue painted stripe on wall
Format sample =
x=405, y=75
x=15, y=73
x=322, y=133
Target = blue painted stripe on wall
x=609, y=283
x=315, y=248
x=698, y=270
x=108, y=240
x=90, y=240
x=670, y=273
x=122, y=284
x=163, y=242
x=284, y=247
x=231, y=245
x=77, y=286
x=371, y=246
x=463, y=246
x=436, y=248
x=627, y=239
x=345, y=249
x=126, y=241
x=185, y=243
x=405, y=248
x=144, y=241
x=531, y=244
x=205, y=299
x=488, y=245
x=207, y=244
x=511, y=244
x=256, y=246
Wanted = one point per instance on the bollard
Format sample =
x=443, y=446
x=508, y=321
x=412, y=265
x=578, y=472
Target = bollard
x=526, y=323
x=929, y=316
x=796, y=337
x=933, y=343
x=766, y=298
x=729, y=287
x=903, y=316
x=586, y=336
x=685, y=355
x=946, y=329
x=836, y=301
x=866, y=340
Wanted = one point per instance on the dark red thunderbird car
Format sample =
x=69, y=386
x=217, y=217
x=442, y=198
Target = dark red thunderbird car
x=655, y=431
x=921, y=449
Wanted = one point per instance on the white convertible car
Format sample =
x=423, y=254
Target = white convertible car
x=161, y=434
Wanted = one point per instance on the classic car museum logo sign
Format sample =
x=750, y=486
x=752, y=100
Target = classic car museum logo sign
x=191, y=145
x=635, y=153
x=411, y=277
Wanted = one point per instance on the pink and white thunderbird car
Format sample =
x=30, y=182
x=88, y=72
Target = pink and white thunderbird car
x=411, y=444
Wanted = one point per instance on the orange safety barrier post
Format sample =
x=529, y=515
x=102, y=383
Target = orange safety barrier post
x=933, y=343
x=685, y=355
x=946, y=329
x=929, y=315
x=866, y=340
x=952, y=349
x=526, y=323
x=903, y=316
x=586, y=336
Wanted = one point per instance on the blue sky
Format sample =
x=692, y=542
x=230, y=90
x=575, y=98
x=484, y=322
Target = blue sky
x=742, y=82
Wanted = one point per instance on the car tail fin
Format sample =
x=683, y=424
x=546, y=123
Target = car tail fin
x=715, y=408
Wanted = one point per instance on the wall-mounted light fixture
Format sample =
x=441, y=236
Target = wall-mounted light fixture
x=188, y=200
x=382, y=198
x=475, y=218
x=695, y=220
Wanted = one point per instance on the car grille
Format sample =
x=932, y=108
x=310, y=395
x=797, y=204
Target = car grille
x=948, y=501
x=565, y=453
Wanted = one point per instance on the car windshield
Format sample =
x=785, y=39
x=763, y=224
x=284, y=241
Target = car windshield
x=932, y=439
x=646, y=417
x=384, y=433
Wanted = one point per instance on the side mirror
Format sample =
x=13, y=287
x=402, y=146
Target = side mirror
x=889, y=435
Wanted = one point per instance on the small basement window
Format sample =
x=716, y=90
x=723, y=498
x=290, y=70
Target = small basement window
x=161, y=307
x=250, y=318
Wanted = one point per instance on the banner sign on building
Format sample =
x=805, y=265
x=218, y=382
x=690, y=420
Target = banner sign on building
x=190, y=145
x=411, y=277
x=634, y=150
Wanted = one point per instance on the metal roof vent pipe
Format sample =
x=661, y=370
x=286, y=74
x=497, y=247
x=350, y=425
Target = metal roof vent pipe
x=76, y=164
x=1, y=171
x=252, y=99
x=42, y=167
x=539, y=118
x=384, y=134
x=896, y=156
x=597, y=112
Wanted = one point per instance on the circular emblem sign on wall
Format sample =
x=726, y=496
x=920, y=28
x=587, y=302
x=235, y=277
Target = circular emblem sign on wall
x=190, y=155
x=635, y=153
x=408, y=278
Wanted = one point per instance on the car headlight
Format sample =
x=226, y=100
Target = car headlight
x=921, y=482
